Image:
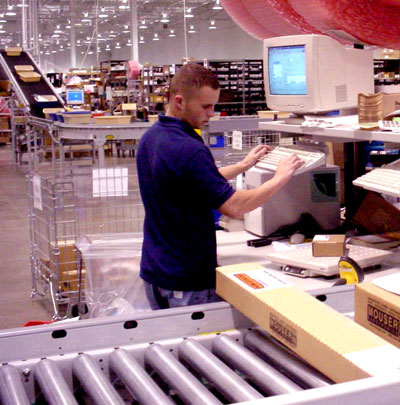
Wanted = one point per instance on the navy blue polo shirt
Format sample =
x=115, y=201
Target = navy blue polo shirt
x=180, y=186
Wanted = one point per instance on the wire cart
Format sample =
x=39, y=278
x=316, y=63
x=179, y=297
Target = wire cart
x=65, y=205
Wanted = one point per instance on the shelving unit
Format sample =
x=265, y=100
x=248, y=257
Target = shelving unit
x=154, y=86
x=387, y=71
x=242, y=86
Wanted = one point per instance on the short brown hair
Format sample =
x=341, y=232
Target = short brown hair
x=192, y=76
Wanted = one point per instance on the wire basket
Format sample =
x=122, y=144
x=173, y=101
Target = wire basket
x=64, y=206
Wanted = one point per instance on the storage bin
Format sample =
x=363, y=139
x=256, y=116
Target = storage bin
x=13, y=51
x=48, y=111
x=77, y=117
x=24, y=68
x=113, y=120
x=28, y=77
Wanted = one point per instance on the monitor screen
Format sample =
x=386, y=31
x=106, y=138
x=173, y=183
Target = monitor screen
x=75, y=97
x=287, y=70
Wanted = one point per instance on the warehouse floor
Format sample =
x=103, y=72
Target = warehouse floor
x=16, y=305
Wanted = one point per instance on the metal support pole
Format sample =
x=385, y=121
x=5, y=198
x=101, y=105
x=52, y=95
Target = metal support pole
x=53, y=384
x=270, y=380
x=135, y=378
x=72, y=33
x=232, y=387
x=189, y=389
x=134, y=31
x=11, y=389
x=285, y=361
x=95, y=382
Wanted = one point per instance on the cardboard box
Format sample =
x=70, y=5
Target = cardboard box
x=332, y=343
x=328, y=245
x=376, y=215
x=378, y=310
x=4, y=123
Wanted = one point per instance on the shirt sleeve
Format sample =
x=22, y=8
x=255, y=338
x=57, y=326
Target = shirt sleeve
x=205, y=182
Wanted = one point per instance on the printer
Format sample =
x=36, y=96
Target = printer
x=316, y=191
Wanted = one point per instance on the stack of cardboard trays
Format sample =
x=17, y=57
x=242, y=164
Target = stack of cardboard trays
x=332, y=343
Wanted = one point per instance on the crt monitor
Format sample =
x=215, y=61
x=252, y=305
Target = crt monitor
x=75, y=97
x=315, y=74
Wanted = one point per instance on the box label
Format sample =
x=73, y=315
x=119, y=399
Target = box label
x=283, y=330
x=259, y=279
x=383, y=319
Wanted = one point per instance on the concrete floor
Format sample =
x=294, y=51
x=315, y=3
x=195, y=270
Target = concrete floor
x=16, y=305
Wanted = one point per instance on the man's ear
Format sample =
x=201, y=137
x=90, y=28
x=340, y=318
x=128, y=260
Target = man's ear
x=179, y=101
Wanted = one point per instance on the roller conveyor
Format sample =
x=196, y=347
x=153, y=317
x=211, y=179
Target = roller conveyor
x=194, y=355
x=26, y=91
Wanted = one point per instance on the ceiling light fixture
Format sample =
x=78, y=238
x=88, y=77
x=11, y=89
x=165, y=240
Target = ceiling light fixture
x=156, y=38
x=188, y=13
x=217, y=5
x=103, y=15
x=118, y=46
x=172, y=33
x=141, y=40
x=164, y=18
x=143, y=24
x=212, y=25
x=191, y=30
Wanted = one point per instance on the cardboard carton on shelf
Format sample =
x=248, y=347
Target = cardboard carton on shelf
x=24, y=68
x=331, y=342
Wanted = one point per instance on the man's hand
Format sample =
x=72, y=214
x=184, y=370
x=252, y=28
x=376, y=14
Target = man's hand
x=286, y=168
x=252, y=157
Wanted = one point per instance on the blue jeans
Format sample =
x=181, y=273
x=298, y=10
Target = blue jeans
x=160, y=298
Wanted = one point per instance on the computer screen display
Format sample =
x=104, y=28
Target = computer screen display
x=75, y=97
x=287, y=70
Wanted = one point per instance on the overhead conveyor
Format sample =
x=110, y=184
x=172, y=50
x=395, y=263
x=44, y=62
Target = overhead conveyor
x=206, y=354
x=26, y=91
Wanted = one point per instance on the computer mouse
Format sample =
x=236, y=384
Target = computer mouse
x=297, y=238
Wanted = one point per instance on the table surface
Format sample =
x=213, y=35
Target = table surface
x=232, y=249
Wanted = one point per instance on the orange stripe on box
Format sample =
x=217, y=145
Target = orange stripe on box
x=249, y=281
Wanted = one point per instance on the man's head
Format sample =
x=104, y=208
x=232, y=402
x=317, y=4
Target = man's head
x=193, y=93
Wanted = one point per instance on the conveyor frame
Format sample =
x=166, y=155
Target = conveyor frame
x=98, y=338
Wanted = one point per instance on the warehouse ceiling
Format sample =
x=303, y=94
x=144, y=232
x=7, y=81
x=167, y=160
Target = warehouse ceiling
x=55, y=18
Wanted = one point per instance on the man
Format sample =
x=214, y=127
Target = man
x=180, y=186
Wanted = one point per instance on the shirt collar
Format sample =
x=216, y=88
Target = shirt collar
x=172, y=121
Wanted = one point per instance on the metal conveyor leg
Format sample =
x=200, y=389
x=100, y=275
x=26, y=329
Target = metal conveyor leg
x=135, y=378
x=53, y=384
x=262, y=374
x=95, y=382
x=281, y=358
x=190, y=390
x=231, y=385
x=11, y=388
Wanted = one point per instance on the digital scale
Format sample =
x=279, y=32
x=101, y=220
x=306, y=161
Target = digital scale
x=300, y=261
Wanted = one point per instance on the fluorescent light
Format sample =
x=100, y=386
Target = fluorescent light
x=103, y=15
x=212, y=25
x=143, y=24
x=188, y=13
x=172, y=33
x=217, y=5
x=141, y=40
x=191, y=30
x=2, y=32
x=164, y=18
x=156, y=38
x=10, y=13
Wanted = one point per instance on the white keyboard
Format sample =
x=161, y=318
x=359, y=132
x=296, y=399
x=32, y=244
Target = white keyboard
x=393, y=126
x=385, y=180
x=311, y=159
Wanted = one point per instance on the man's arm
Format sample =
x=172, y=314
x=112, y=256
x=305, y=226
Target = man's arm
x=231, y=171
x=243, y=201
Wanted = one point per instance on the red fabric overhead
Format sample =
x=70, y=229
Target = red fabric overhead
x=261, y=20
x=374, y=22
